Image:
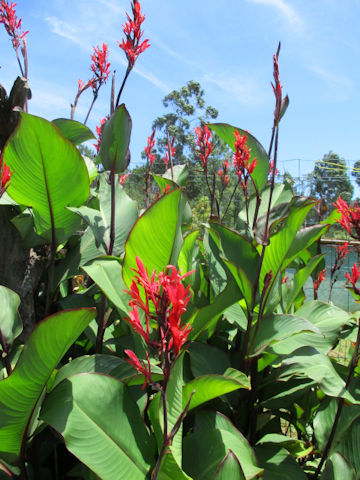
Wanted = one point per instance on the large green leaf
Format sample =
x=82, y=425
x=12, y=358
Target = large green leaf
x=101, y=425
x=49, y=175
x=338, y=467
x=24, y=222
x=107, y=274
x=239, y=255
x=329, y=319
x=261, y=171
x=278, y=463
x=296, y=447
x=308, y=362
x=208, y=387
x=207, y=359
x=186, y=254
x=279, y=327
x=230, y=468
x=20, y=392
x=213, y=437
x=115, y=140
x=74, y=131
x=153, y=237
x=10, y=322
x=100, y=220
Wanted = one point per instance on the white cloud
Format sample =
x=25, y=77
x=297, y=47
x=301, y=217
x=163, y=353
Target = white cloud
x=64, y=30
x=286, y=10
x=339, y=86
x=245, y=90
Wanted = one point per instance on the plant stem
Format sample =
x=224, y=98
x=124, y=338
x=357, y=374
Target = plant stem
x=231, y=197
x=112, y=97
x=128, y=70
x=91, y=106
x=113, y=209
x=101, y=326
x=340, y=405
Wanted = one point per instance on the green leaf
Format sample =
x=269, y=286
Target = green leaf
x=170, y=470
x=338, y=467
x=308, y=362
x=49, y=175
x=107, y=274
x=24, y=222
x=329, y=319
x=180, y=175
x=100, y=220
x=115, y=140
x=230, y=468
x=261, y=171
x=186, y=254
x=75, y=132
x=206, y=359
x=91, y=167
x=280, y=327
x=239, y=255
x=208, y=387
x=10, y=322
x=278, y=463
x=203, y=317
x=206, y=448
x=20, y=392
x=153, y=237
x=294, y=446
x=101, y=425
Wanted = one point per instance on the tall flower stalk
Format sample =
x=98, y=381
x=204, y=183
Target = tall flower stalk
x=162, y=298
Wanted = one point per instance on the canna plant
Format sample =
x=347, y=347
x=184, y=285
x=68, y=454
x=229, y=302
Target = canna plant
x=162, y=352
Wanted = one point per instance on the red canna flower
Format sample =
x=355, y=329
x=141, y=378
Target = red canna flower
x=285, y=279
x=203, y=141
x=241, y=160
x=133, y=33
x=5, y=176
x=223, y=174
x=100, y=66
x=171, y=150
x=98, y=132
x=163, y=299
x=342, y=250
x=149, y=148
x=350, y=217
x=354, y=277
x=320, y=278
x=11, y=23
x=123, y=178
x=277, y=87
x=140, y=366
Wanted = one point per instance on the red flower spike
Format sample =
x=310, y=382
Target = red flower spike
x=241, y=159
x=133, y=33
x=342, y=250
x=350, y=217
x=140, y=366
x=11, y=23
x=277, y=87
x=123, y=178
x=320, y=278
x=164, y=300
x=100, y=67
x=149, y=148
x=203, y=141
x=355, y=275
x=285, y=279
x=98, y=132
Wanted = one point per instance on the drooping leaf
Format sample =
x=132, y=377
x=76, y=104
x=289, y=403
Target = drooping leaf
x=170, y=470
x=10, y=322
x=210, y=386
x=296, y=447
x=101, y=425
x=74, y=131
x=308, y=362
x=20, y=392
x=49, y=175
x=185, y=261
x=115, y=140
x=152, y=238
x=279, y=327
x=338, y=467
x=261, y=171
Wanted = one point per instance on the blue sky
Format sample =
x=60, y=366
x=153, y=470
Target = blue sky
x=226, y=46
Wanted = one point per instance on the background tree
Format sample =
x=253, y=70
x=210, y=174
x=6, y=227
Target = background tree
x=356, y=172
x=328, y=181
